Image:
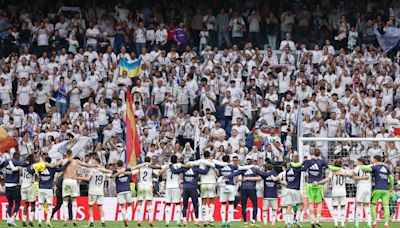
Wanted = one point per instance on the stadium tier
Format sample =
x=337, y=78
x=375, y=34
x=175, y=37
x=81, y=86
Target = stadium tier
x=227, y=113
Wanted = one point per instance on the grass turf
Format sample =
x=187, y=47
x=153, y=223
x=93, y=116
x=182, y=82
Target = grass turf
x=109, y=224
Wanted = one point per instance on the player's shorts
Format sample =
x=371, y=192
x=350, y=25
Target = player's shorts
x=273, y=202
x=95, y=199
x=207, y=191
x=383, y=195
x=339, y=201
x=144, y=192
x=173, y=195
x=124, y=197
x=293, y=197
x=227, y=193
x=283, y=202
x=28, y=194
x=70, y=188
x=45, y=195
x=315, y=194
x=363, y=195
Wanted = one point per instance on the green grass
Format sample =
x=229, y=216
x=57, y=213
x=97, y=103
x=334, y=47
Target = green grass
x=190, y=224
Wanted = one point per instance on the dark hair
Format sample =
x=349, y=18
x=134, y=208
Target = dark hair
x=97, y=159
x=47, y=159
x=378, y=158
x=30, y=159
x=270, y=166
x=16, y=156
x=317, y=153
x=68, y=153
x=207, y=154
x=226, y=158
x=147, y=159
x=120, y=163
x=174, y=159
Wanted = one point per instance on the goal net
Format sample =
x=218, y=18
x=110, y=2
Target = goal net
x=349, y=150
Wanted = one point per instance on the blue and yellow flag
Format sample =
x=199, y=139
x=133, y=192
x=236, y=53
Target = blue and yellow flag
x=132, y=68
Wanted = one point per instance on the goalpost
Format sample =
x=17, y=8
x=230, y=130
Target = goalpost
x=349, y=150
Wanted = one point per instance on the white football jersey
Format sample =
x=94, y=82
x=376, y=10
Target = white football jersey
x=96, y=184
x=146, y=175
x=363, y=183
x=210, y=177
x=172, y=180
x=338, y=184
x=282, y=177
x=28, y=179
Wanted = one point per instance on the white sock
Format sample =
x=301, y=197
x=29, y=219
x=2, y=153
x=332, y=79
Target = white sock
x=23, y=216
x=299, y=215
x=211, y=212
x=65, y=210
x=230, y=212
x=358, y=215
x=40, y=213
x=128, y=211
x=102, y=220
x=285, y=215
x=150, y=212
x=178, y=210
x=336, y=215
x=223, y=212
x=50, y=211
x=167, y=213
x=91, y=219
x=342, y=216
x=139, y=212
x=273, y=217
x=368, y=214
x=74, y=209
x=204, y=212
x=123, y=212
x=265, y=216
x=312, y=217
x=32, y=215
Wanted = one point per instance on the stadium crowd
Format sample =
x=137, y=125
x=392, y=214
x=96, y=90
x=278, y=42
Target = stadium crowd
x=210, y=76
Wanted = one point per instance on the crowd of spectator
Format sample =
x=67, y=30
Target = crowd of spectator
x=211, y=73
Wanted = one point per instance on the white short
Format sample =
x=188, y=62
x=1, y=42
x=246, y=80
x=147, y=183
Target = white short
x=70, y=188
x=283, y=198
x=293, y=197
x=124, y=197
x=173, y=195
x=339, y=201
x=28, y=194
x=45, y=195
x=95, y=199
x=144, y=192
x=273, y=202
x=363, y=196
x=227, y=193
x=207, y=191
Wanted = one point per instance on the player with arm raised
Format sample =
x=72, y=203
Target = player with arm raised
x=28, y=192
x=145, y=191
x=173, y=192
x=363, y=194
x=315, y=193
x=123, y=178
x=338, y=180
x=190, y=180
x=46, y=181
x=96, y=180
x=384, y=184
x=13, y=189
x=293, y=193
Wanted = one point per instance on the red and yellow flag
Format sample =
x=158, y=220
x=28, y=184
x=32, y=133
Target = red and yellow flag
x=132, y=141
x=6, y=141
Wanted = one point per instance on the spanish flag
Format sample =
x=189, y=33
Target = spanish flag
x=132, y=68
x=132, y=142
x=6, y=141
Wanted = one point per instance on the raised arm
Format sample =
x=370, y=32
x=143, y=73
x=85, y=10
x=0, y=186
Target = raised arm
x=62, y=168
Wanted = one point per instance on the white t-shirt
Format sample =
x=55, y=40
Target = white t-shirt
x=92, y=32
x=96, y=184
x=338, y=184
x=24, y=93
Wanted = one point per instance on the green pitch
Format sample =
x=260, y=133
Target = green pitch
x=59, y=224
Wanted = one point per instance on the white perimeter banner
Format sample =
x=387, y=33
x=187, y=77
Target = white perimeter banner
x=113, y=211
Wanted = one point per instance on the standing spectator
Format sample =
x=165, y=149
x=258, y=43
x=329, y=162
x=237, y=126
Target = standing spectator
x=238, y=27
x=272, y=30
x=209, y=22
x=222, y=24
x=287, y=21
x=92, y=34
x=197, y=25
x=140, y=38
x=254, y=28
x=180, y=37
x=304, y=24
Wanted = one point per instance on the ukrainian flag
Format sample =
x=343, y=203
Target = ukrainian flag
x=132, y=68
